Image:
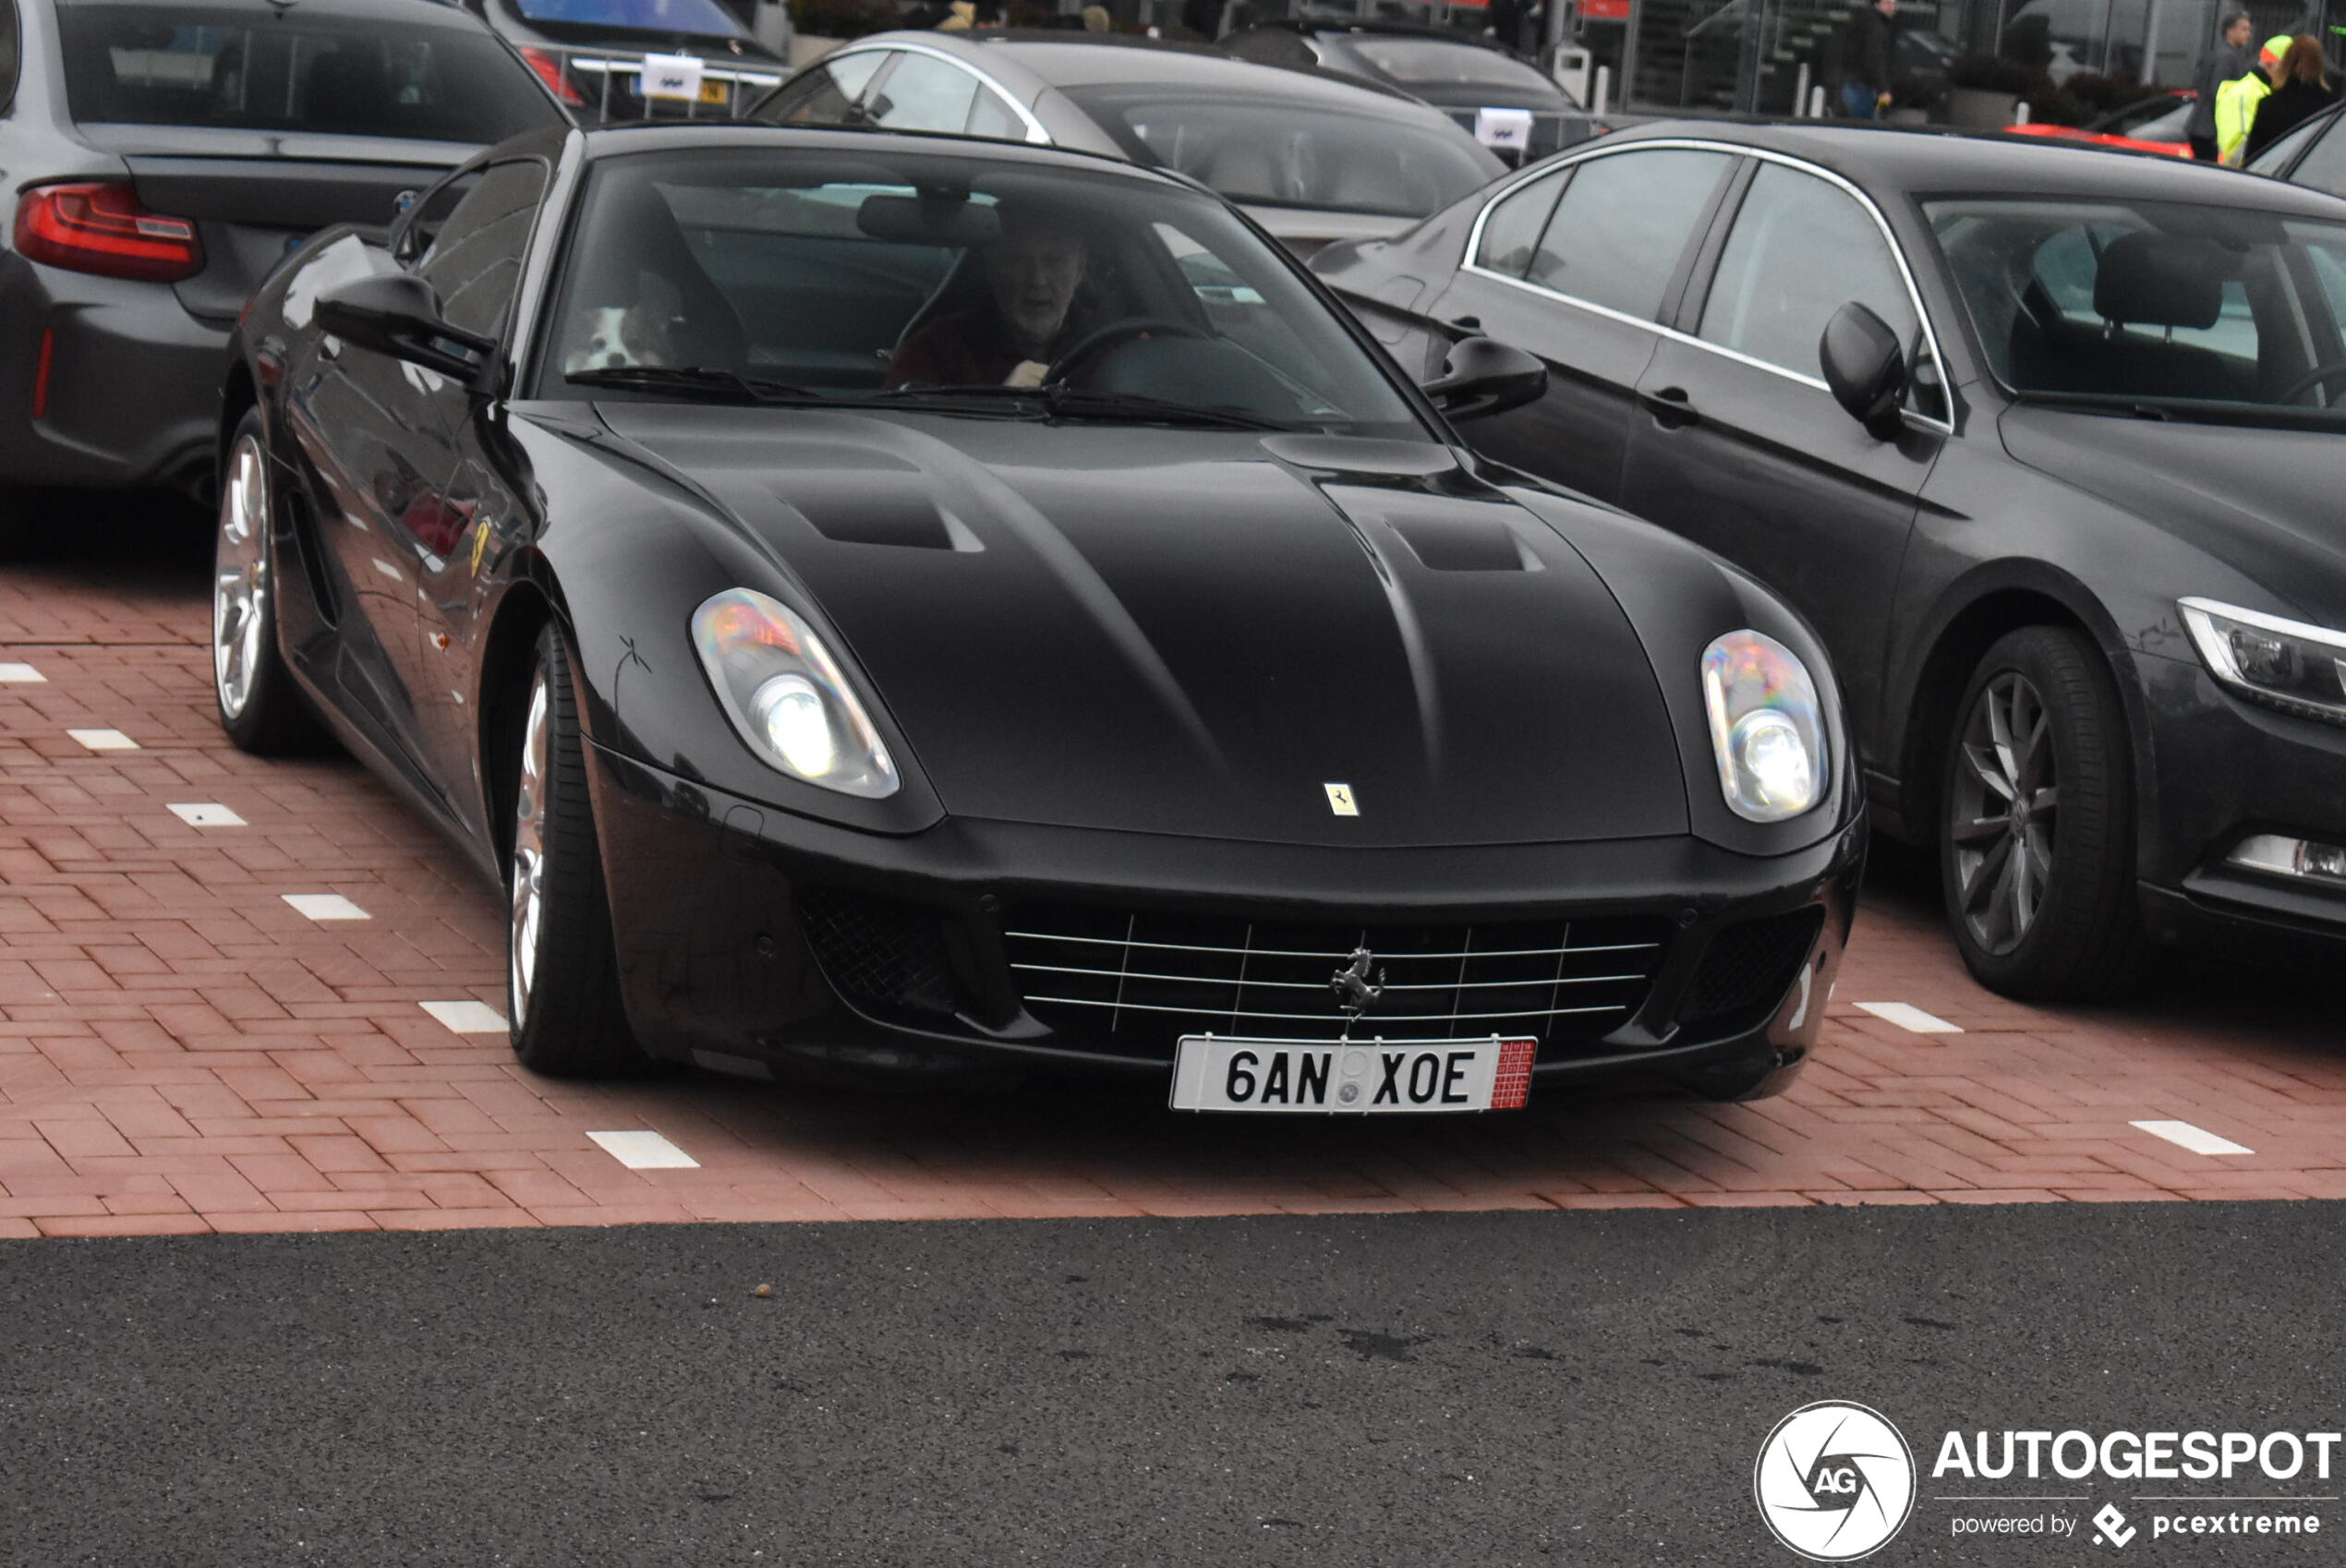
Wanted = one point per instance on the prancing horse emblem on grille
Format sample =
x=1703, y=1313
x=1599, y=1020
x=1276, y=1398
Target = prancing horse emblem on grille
x=1355, y=991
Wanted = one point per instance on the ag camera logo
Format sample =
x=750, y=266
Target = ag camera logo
x=1835, y=1482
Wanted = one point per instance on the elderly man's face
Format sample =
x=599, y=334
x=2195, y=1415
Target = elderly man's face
x=1033, y=269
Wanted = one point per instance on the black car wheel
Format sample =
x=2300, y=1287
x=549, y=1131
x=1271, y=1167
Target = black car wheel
x=2037, y=857
x=261, y=708
x=563, y=984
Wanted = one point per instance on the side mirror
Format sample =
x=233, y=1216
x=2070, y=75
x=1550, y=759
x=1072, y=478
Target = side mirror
x=1865, y=368
x=397, y=314
x=1481, y=377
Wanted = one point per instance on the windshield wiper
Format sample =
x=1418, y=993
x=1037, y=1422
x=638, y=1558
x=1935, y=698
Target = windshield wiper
x=2100, y=402
x=1060, y=402
x=692, y=381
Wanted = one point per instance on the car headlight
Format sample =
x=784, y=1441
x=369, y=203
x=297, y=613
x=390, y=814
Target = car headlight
x=2284, y=664
x=1766, y=727
x=785, y=695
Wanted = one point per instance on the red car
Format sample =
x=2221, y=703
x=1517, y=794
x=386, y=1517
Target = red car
x=2149, y=125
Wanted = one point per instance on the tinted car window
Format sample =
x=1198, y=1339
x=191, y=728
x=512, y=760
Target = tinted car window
x=1433, y=62
x=7, y=53
x=925, y=93
x=2162, y=304
x=1617, y=233
x=1512, y=231
x=992, y=115
x=1280, y=154
x=475, y=260
x=1273, y=46
x=2325, y=165
x=263, y=69
x=852, y=277
x=1800, y=249
x=702, y=18
x=2276, y=155
x=824, y=96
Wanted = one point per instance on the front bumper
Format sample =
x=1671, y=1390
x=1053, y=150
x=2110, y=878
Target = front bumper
x=2223, y=769
x=133, y=395
x=756, y=942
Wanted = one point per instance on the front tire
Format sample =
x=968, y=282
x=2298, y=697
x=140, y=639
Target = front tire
x=261, y=709
x=562, y=975
x=2037, y=851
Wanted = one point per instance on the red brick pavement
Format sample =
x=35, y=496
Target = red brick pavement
x=182, y=1050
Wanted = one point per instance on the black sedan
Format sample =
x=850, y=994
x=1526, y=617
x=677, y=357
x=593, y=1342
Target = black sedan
x=1508, y=105
x=2043, y=441
x=1310, y=156
x=162, y=156
x=875, y=609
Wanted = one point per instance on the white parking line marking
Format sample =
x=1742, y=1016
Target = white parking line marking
x=645, y=1152
x=325, y=906
x=466, y=1018
x=2198, y=1140
x=206, y=813
x=21, y=674
x=1909, y=1018
x=105, y=740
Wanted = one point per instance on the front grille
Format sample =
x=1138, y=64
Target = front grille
x=1133, y=982
x=887, y=956
x=1748, y=967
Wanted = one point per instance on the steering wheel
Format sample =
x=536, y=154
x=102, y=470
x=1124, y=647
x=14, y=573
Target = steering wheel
x=2332, y=371
x=1099, y=340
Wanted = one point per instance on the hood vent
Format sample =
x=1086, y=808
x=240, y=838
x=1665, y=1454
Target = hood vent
x=877, y=508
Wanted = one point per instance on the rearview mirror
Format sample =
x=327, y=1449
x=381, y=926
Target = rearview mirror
x=398, y=314
x=1865, y=368
x=928, y=220
x=1481, y=377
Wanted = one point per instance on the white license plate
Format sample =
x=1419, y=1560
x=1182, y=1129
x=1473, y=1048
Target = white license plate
x=1362, y=1077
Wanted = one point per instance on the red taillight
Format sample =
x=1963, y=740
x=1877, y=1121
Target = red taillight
x=103, y=229
x=550, y=71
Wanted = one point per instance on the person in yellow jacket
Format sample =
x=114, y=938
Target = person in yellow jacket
x=2236, y=100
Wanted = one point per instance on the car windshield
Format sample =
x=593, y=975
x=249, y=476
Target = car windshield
x=1437, y=62
x=1275, y=154
x=910, y=278
x=2160, y=307
x=704, y=18
x=258, y=68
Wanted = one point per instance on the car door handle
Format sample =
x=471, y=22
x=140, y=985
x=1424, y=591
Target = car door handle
x=1469, y=326
x=1669, y=406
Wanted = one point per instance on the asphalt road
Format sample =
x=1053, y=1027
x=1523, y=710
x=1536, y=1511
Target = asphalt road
x=1583, y=1388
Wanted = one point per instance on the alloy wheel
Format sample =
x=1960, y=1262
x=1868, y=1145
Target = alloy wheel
x=241, y=617
x=2002, y=813
x=528, y=915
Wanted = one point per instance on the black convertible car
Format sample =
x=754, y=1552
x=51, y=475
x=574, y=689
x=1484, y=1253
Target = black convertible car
x=884, y=603
x=2043, y=441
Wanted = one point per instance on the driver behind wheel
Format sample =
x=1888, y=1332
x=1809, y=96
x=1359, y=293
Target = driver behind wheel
x=1022, y=325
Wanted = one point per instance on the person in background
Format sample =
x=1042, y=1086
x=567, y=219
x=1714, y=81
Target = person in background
x=2237, y=100
x=2302, y=89
x=1864, y=61
x=2229, y=59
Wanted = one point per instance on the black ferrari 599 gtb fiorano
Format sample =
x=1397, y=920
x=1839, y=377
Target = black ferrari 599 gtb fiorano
x=898, y=605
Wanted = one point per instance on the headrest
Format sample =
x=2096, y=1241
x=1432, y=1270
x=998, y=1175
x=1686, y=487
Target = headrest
x=2155, y=280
